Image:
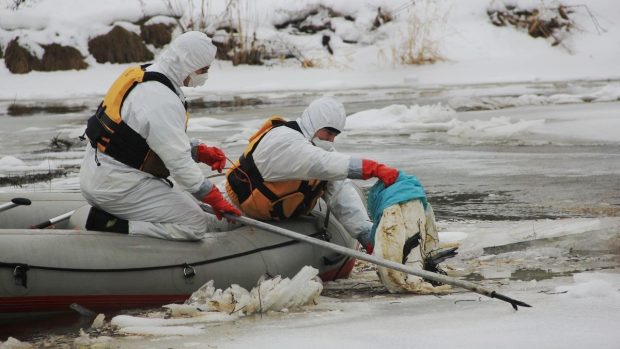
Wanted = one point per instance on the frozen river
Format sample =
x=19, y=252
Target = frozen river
x=495, y=156
x=490, y=157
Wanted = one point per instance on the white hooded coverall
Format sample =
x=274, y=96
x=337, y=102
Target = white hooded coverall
x=285, y=154
x=150, y=205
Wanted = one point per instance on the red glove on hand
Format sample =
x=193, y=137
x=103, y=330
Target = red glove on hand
x=387, y=175
x=219, y=204
x=212, y=156
x=367, y=245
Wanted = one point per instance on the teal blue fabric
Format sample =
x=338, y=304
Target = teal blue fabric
x=405, y=188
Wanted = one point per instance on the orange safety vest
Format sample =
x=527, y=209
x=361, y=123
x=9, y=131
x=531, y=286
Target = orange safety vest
x=108, y=133
x=264, y=200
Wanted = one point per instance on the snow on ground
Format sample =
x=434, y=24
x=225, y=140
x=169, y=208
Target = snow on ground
x=475, y=51
x=544, y=263
x=583, y=316
x=10, y=163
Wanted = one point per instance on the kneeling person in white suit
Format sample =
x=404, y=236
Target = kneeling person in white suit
x=289, y=165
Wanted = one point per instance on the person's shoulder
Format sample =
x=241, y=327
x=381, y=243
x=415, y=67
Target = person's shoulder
x=284, y=130
x=157, y=88
x=155, y=92
x=285, y=135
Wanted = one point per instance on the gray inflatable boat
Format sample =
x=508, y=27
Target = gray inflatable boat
x=48, y=270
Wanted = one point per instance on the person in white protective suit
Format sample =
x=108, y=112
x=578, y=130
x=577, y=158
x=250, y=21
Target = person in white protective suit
x=138, y=140
x=287, y=166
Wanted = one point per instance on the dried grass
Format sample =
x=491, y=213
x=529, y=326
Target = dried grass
x=119, y=46
x=383, y=16
x=29, y=177
x=58, y=144
x=18, y=59
x=542, y=22
x=240, y=44
x=419, y=45
x=58, y=57
x=158, y=34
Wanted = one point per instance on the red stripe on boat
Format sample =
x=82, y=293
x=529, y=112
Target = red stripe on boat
x=30, y=304
x=93, y=302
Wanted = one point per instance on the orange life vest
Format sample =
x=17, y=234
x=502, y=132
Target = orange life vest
x=264, y=200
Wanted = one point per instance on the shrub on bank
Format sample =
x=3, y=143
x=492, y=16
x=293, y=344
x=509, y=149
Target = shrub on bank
x=20, y=60
x=58, y=57
x=119, y=46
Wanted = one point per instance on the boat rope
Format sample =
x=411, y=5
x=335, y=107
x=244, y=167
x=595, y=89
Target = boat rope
x=20, y=269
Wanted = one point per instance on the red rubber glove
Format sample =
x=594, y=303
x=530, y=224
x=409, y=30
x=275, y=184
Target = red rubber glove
x=367, y=245
x=219, y=204
x=386, y=174
x=212, y=156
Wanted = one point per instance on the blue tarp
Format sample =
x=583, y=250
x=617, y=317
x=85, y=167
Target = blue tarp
x=405, y=188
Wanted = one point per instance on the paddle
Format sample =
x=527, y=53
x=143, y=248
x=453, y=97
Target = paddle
x=14, y=203
x=54, y=220
x=372, y=259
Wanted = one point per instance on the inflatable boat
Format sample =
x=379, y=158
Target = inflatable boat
x=52, y=269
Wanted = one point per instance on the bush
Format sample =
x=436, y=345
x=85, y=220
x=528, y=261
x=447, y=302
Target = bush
x=158, y=34
x=57, y=57
x=18, y=59
x=119, y=46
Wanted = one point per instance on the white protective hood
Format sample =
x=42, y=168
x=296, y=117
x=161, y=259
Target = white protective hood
x=322, y=112
x=187, y=53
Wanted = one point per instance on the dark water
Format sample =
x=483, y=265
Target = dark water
x=36, y=328
x=31, y=328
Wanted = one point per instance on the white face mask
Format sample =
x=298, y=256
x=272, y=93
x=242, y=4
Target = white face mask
x=196, y=80
x=325, y=145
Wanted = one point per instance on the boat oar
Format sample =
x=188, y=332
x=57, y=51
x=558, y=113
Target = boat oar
x=14, y=203
x=54, y=220
x=372, y=259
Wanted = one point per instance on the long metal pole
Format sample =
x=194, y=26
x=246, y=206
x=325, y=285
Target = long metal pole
x=14, y=203
x=372, y=259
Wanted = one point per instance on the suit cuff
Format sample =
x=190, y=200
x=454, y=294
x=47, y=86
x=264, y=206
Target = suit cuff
x=205, y=188
x=194, y=144
x=355, y=168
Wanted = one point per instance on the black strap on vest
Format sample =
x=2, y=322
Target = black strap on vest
x=293, y=125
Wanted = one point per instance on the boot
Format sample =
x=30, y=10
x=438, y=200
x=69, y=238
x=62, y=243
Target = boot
x=102, y=221
x=431, y=263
